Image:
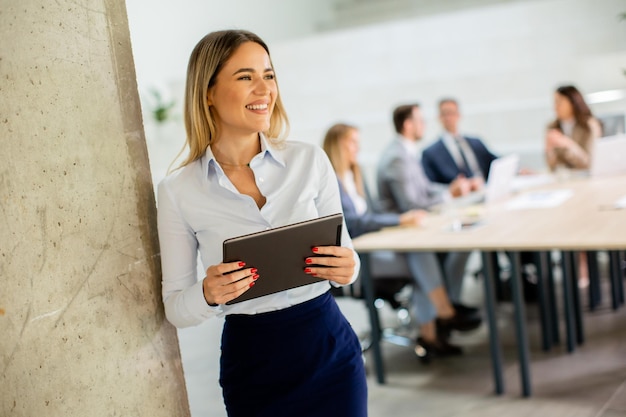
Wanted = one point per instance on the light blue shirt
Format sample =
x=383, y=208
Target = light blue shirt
x=199, y=207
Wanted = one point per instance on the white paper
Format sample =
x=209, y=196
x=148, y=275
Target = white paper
x=539, y=199
x=621, y=203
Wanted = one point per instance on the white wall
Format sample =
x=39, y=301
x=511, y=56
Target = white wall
x=164, y=32
x=501, y=61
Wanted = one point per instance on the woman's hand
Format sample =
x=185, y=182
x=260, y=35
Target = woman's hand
x=338, y=264
x=555, y=139
x=221, y=284
x=412, y=218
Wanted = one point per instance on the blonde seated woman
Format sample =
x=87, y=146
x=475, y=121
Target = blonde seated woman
x=431, y=305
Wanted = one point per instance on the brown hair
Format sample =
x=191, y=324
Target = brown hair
x=582, y=113
x=401, y=113
x=207, y=59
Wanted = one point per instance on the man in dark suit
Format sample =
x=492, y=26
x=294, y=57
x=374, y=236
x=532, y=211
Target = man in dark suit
x=454, y=155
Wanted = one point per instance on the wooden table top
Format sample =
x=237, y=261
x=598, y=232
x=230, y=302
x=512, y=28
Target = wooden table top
x=587, y=220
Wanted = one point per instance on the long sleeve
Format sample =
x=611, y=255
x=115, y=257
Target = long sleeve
x=407, y=192
x=329, y=202
x=369, y=221
x=183, y=297
x=577, y=154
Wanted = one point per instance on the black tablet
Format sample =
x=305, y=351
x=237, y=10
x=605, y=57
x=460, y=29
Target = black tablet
x=278, y=254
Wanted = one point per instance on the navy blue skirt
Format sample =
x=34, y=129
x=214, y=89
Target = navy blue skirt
x=302, y=361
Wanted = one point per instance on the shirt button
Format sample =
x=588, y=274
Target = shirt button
x=261, y=179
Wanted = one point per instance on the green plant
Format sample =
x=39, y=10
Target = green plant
x=161, y=109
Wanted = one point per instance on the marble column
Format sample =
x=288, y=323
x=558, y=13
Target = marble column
x=82, y=328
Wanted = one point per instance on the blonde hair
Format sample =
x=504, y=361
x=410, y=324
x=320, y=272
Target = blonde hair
x=332, y=147
x=206, y=61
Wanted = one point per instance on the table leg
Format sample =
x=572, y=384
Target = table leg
x=520, y=325
x=568, y=303
x=595, y=293
x=554, y=312
x=578, y=311
x=544, y=302
x=492, y=323
x=368, y=293
x=616, y=279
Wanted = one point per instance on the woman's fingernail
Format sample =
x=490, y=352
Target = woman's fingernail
x=252, y=283
x=255, y=276
x=316, y=249
x=253, y=271
x=308, y=261
x=307, y=270
x=242, y=263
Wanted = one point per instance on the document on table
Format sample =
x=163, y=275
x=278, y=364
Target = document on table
x=539, y=199
x=619, y=204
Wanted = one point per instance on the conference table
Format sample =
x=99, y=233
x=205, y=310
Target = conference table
x=569, y=215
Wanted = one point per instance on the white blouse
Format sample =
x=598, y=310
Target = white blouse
x=360, y=204
x=199, y=207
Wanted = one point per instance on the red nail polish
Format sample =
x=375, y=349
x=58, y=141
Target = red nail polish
x=315, y=249
x=255, y=277
x=242, y=263
x=307, y=270
x=252, y=284
x=253, y=271
x=308, y=261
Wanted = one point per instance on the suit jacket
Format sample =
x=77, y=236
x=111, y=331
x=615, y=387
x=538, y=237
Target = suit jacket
x=402, y=183
x=371, y=220
x=440, y=166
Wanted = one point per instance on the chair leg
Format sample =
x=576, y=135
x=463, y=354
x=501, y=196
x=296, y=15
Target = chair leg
x=368, y=292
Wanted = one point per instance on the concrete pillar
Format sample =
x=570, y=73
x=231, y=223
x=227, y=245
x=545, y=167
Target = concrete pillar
x=82, y=329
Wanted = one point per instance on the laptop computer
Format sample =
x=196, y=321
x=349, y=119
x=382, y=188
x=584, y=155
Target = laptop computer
x=279, y=253
x=502, y=172
x=608, y=156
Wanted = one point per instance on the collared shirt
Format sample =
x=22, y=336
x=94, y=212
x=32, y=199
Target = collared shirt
x=199, y=207
x=453, y=143
x=567, y=126
x=360, y=204
x=411, y=147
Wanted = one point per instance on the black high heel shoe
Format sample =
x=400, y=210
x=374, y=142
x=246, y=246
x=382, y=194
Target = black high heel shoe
x=460, y=322
x=441, y=348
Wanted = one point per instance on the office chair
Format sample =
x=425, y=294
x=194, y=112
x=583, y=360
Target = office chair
x=392, y=285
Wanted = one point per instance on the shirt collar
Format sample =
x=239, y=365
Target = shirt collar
x=450, y=138
x=209, y=164
x=411, y=146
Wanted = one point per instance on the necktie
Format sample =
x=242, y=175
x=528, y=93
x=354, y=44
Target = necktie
x=465, y=169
